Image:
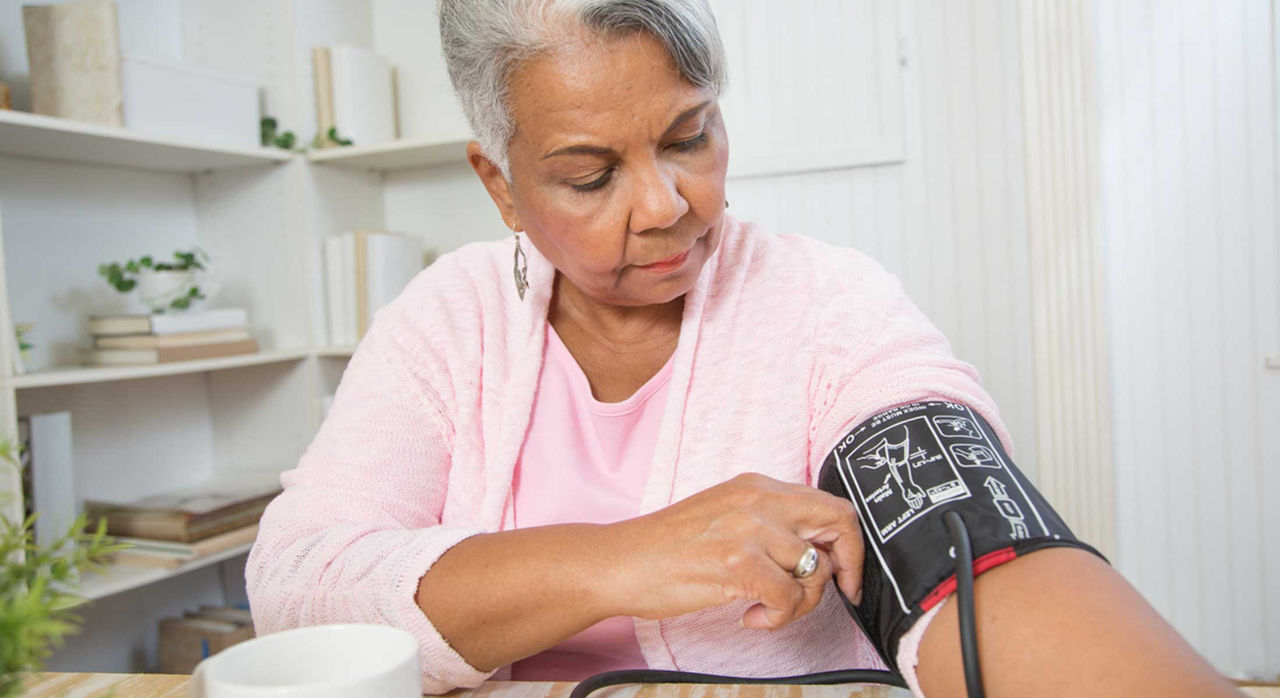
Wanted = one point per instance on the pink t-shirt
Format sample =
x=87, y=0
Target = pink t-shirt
x=585, y=461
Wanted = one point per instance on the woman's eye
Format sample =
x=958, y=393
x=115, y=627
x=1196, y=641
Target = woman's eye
x=595, y=183
x=691, y=144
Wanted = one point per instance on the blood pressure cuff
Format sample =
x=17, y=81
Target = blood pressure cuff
x=903, y=469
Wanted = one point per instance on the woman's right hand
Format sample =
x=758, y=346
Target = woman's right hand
x=737, y=540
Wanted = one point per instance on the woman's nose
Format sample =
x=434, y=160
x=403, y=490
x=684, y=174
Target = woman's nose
x=656, y=201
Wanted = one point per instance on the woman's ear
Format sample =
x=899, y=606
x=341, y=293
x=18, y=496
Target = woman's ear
x=495, y=183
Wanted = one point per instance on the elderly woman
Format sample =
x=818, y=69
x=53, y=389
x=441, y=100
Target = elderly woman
x=593, y=446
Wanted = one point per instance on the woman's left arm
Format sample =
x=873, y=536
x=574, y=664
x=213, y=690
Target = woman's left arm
x=1057, y=621
x=1061, y=622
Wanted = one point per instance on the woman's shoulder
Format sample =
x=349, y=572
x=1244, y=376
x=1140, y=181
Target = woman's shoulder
x=807, y=272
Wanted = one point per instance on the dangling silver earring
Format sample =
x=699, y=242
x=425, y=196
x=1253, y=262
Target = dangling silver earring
x=520, y=268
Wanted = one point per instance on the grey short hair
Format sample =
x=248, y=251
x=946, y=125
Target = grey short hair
x=483, y=40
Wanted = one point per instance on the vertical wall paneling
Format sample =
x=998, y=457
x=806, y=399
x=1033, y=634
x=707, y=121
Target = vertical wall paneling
x=1188, y=146
x=1074, y=428
x=1266, y=261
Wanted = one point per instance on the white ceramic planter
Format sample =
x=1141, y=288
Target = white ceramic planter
x=157, y=289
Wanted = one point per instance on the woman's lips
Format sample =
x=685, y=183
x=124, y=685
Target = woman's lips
x=668, y=264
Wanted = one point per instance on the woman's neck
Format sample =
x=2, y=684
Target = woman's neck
x=621, y=327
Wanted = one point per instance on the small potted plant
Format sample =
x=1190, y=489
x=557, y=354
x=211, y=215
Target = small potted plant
x=23, y=332
x=163, y=286
x=37, y=587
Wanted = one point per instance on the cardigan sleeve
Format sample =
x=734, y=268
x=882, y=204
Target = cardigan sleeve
x=358, y=522
x=874, y=350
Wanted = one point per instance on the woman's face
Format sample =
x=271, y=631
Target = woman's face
x=617, y=169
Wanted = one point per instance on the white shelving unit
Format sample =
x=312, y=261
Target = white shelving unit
x=395, y=156
x=117, y=579
x=335, y=352
x=74, y=195
x=25, y=135
x=80, y=375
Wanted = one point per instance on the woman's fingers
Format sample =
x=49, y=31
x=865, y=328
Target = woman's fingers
x=741, y=539
x=785, y=551
x=782, y=597
x=847, y=554
x=824, y=518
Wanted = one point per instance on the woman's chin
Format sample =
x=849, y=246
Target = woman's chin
x=650, y=286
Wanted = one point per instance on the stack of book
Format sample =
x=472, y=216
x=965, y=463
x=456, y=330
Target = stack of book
x=184, y=641
x=165, y=337
x=365, y=270
x=170, y=555
x=172, y=529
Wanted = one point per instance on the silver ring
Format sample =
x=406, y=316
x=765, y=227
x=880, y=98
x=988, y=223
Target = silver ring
x=808, y=563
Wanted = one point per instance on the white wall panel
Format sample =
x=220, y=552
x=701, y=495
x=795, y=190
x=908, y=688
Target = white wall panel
x=1188, y=126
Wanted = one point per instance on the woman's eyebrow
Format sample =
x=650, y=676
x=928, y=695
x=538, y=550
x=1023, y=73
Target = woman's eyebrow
x=684, y=116
x=581, y=150
x=584, y=149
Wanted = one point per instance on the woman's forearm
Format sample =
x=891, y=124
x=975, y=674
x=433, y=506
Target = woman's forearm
x=1060, y=622
x=500, y=597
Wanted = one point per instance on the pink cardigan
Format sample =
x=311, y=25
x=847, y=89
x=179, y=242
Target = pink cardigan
x=786, y=343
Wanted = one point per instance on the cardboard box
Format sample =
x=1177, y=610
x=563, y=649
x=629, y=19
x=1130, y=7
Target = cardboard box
x=183, y=642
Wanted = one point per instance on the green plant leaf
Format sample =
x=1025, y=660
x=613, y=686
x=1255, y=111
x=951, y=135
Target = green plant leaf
x=335, y=138
x=37, y=586
x=268, y=130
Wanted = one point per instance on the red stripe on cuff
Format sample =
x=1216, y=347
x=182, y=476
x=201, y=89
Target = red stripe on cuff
x=995, y=558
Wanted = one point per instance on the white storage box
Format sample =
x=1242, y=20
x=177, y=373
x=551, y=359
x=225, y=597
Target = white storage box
x=189, y=103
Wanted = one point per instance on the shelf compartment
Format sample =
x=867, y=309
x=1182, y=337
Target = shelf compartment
x=396, y=155
x=115, y=579
x=50, y=138
x=78, y=375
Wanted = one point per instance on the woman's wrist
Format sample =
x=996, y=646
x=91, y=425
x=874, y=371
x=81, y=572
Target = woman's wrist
x=620, y=577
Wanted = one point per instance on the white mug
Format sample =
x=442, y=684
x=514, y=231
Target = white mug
x=321, y=661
